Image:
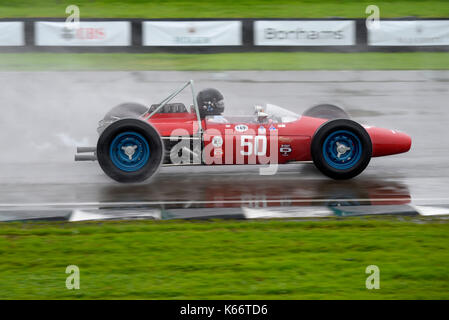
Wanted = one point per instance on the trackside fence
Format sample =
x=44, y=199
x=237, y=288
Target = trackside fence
x=223, y=35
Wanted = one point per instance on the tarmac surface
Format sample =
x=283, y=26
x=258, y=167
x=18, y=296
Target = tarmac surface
x=46, y=114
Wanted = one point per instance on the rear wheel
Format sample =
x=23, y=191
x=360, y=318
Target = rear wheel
x=129, y=150
x=126, y=110
x=122, y=111
x=341, y=149
x=326, y=111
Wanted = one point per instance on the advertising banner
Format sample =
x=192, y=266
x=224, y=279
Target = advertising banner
x=12, y=33
x=410, y=33
x=88, y=33
x=304, y=33
x=192, y=33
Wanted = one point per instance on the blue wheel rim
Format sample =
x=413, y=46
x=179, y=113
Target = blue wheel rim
x=342, y=150
x=129, y=151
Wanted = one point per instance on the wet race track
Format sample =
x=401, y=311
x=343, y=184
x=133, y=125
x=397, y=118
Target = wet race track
x=46, y=114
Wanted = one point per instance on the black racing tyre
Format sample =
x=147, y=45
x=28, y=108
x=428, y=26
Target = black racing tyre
x=341, y=149
x=326, y=111
x=122, y=111
x=130, y=150
x=126, y=110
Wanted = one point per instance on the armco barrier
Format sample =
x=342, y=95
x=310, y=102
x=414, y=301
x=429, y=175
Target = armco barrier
x=223, y=35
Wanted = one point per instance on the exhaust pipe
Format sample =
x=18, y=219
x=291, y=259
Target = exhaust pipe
x=86, y=157
x=86, y=149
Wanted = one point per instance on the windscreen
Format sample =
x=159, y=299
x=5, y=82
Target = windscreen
x=279, y=114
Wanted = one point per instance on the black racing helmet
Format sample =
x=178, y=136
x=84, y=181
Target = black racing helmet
x=210, y=102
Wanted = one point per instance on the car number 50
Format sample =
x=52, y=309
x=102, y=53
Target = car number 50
x=259, y=147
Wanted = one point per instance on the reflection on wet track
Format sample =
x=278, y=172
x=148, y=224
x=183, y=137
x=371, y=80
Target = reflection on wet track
x=240, y=189
x=197, y=192
x=84, y=193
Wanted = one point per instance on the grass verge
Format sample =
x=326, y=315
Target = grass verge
x=223, y=8
x=226, y=259
x=225, y=61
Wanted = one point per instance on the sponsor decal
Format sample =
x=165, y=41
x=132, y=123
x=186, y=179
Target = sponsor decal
x=241, y=127
x=285, y=139
x=218, y=152
x=285, y=149
x=261, y=130
x=12, y=33
x=281, y=126
x=304, y=33
x=192, y=33
x=217, y=141
x=410, y=33
x=89, y=33
x=83, y=34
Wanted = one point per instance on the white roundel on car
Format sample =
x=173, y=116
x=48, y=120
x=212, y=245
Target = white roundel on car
x=241, y=127
x=217, y=141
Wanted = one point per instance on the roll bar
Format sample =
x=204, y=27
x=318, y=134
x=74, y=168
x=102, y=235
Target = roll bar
x=174, y=94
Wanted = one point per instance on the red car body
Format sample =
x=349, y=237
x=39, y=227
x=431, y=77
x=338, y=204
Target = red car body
x=296, y=135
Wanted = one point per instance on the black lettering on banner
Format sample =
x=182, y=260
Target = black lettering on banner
x=297, y=34
x=270, y=33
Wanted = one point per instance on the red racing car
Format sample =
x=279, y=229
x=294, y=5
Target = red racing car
x=135, y=139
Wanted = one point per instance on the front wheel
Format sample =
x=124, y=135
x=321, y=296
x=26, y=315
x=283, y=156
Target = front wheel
x=129, y=150
x=341, y=149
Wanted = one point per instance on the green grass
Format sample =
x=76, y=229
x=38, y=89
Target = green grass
x=223, y=8
x=226, y=61
x=226, y=259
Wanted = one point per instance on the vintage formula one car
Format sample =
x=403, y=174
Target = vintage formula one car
x=135, y=140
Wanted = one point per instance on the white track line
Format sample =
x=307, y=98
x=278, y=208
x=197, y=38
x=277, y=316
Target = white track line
x=79, y=215
x=149, y=203
x=431, y=211
x=299, y=212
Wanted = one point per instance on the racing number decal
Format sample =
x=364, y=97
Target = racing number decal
x=259, y=141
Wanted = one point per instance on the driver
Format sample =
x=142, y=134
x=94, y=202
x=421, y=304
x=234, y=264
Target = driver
x=210, y=103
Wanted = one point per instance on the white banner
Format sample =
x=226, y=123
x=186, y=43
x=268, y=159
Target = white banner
x=304, y=33
x=410, y=33
x=12, y=33
x=88, y=33
x=192, y=33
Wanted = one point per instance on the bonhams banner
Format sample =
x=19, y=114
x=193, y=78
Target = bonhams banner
x=192, y=33
x=304, y=33
x=410, y=33
x=12, y=33
x=88, y=33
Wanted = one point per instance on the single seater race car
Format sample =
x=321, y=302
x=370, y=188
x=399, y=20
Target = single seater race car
x=135, y=140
